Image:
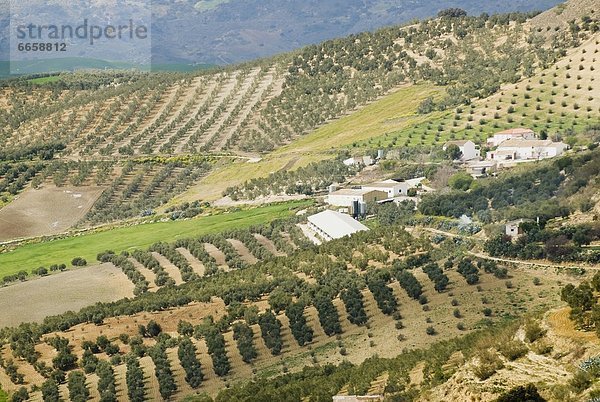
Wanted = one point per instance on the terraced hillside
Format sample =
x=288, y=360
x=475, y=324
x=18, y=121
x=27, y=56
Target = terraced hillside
x=315, y=306
x=559, y=101
x=150, y=115
x=264, y=105
x=392, y=88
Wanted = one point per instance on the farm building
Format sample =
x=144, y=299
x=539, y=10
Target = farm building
x=481, y=168
x=345, y=197
x=359, y=160
x=518, y=149
x=334, y=225
x=467, y=147
x=513, y=228
x=511, y=134
x=392, y=188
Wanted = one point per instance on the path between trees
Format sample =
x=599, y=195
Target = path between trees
x=507, y=260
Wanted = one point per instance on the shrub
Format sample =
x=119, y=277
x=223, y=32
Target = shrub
x=512, y=349
x=533, y=331
x=581, y=381
x=489, y=363
x=78, y=262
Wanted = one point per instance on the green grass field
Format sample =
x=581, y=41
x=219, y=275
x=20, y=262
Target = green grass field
x=45, y=80
x=141, y=236
x=392, y=113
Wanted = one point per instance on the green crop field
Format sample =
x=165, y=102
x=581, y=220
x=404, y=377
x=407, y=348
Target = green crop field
x=140, y=236
x=45, y=80
x=391, y=113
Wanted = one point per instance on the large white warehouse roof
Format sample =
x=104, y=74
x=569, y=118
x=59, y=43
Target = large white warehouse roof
x=335, y=224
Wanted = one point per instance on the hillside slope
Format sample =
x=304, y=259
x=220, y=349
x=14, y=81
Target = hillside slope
x=226, y=32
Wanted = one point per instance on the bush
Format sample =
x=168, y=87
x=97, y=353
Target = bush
x=489, y=363
x=461, y=181
x=78, y=262
x=512, y=349
x=533, y=331
x=21, y=395
x=581, y=381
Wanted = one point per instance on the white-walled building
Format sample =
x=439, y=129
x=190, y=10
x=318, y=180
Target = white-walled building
x=391, y=187
x=467, y=147
x=518, y=149
x=345, y=197
x=513, y=228
x=510, y=134
x=331, y=225
x=359, y=160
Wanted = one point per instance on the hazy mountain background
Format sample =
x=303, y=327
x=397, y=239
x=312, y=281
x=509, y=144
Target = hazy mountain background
x=230, y=31
x=221, y=31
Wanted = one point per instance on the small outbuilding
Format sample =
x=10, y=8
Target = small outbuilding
x=468, y=149
x=514, y=229
x=392, y=188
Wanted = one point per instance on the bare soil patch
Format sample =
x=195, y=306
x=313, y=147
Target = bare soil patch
x=216, y=254
x=197, y=266
x=268, y=244
x=46, y=211
x=243, y=251
x=169, y=267
x=55, y=294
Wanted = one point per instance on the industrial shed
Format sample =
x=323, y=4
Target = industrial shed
x=334, y=225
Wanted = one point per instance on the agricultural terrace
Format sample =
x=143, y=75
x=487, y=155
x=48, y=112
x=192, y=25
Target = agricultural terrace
x=88, y=246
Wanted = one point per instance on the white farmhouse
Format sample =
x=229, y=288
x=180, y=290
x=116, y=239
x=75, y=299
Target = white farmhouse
x=467, y=147
x=517, y=149
x=510, y=134
x=345, y=197
x=331, y=225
